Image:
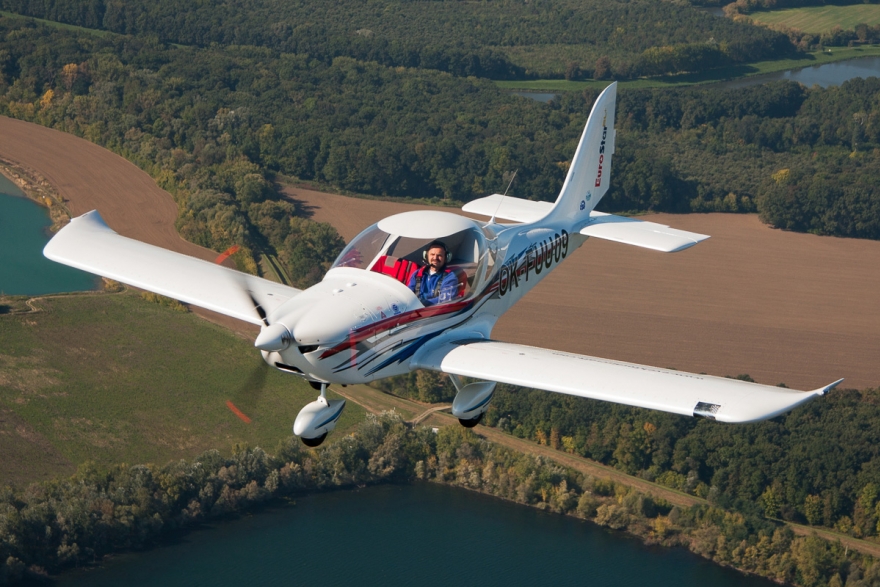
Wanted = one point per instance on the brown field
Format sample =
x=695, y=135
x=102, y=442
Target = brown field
x=89, y=177
x=783, y=307
x=780, y=306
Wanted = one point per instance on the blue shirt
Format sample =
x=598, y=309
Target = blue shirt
x=448, y=287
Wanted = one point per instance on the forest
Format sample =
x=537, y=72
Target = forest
x=500, y=39
x=214, y=126
x=54, y=525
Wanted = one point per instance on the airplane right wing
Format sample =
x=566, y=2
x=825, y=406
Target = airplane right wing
x=87, y=243
x=717, y=398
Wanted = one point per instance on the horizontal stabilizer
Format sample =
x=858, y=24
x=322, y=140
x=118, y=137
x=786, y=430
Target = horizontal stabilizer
x=717, y=398
x=649, y=235
x=508, y=208
x=87, y=243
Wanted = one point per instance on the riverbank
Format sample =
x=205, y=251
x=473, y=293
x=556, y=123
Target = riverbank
x=708, y=77
x=38, y=189
x=381, y=449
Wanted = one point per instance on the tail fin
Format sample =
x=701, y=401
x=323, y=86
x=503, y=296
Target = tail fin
x=590, y=171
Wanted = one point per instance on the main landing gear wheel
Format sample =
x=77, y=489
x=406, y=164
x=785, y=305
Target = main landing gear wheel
x=313, y=442
x=472, y=422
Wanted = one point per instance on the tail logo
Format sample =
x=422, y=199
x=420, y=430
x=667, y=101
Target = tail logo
x=601, y=155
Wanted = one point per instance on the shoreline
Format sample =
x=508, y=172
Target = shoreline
x=37, y=189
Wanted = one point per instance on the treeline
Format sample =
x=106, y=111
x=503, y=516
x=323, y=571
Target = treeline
x=483, y=39
x=818, y=465
x=214, y=125
x=225, y=119
x=54, y=525
x=806, y=159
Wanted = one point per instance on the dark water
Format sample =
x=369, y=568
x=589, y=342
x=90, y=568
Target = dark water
x=419, y=534
x=828, y=74
x=23, y=234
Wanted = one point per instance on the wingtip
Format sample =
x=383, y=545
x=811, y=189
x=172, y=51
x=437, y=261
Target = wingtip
x=829, y=387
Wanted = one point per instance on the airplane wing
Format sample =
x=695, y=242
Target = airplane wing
x=630, y=231
x=717, y=398
x=87, y=243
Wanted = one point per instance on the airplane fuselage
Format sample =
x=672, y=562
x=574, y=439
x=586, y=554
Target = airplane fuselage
x=357, y=325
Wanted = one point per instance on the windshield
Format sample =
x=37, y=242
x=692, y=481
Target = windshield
x=401, y=257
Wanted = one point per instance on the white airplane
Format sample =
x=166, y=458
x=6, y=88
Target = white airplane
x=364, y=322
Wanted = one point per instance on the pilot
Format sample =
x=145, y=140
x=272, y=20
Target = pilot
x=435, y=283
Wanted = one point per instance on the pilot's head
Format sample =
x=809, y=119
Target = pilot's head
x=436, y=255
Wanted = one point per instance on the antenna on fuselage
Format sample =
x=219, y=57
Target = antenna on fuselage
x=492, y=220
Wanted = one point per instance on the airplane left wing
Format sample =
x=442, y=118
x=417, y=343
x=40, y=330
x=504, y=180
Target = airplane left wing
x=717, y=398
x=87, y=243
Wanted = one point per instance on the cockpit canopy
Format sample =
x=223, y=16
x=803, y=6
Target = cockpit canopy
x=395, y=247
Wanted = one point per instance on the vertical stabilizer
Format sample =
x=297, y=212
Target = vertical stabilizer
x=590, y=170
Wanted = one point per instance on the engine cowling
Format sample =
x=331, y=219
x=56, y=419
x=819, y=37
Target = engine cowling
x=472, y=401
x=317, y=419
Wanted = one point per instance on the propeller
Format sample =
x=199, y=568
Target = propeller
x=244, y=402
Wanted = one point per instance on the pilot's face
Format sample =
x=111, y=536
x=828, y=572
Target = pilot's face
x=436, y=258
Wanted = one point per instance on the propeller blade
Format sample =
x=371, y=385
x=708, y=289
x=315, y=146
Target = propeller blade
x=245, y=400
x=260, y=311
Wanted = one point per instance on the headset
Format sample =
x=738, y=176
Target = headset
x=434, y=245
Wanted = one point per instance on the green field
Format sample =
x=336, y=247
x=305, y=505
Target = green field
x=116, y=379
x=708, y=77
x=58, y=25
x=821, y=19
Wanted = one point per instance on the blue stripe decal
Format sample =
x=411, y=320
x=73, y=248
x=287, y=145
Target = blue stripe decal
x=483, y=403
x=331, y=418
x=406, y=353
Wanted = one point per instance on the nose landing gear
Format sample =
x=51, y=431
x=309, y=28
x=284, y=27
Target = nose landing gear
x=318, y=418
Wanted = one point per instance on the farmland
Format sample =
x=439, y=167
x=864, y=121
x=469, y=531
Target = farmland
x=821, y=19
x=115, y=379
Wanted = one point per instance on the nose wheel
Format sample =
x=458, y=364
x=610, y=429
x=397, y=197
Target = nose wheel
x=472, y=422
x=318, y=418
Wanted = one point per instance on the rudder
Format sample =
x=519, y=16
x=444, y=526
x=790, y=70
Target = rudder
x=590, y=171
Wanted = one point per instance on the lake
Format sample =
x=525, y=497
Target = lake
x=24, y=231
x=422, y=534
x=827, y=74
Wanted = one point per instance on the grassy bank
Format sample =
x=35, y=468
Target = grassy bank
x=116, y=379
x=707, y=77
